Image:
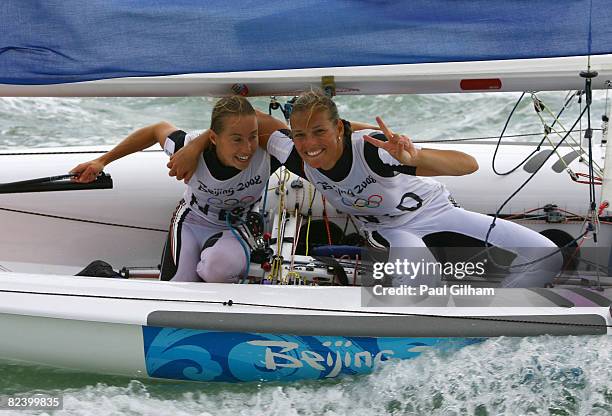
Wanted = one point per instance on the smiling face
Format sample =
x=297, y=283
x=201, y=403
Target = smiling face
x=236, y=143
x=317, y=138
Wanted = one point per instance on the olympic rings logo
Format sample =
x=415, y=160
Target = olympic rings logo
x=231, y=202
x=373, y=201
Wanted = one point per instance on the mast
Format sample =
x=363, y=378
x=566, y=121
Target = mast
x=606, y=189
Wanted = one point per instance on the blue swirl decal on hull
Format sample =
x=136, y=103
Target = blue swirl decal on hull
x=189, y=354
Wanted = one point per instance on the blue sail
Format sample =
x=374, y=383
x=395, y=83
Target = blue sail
x=60, y=41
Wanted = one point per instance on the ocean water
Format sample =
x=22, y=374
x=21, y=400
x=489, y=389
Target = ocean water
x=57, y=122
x=538, y=375
x=502, y=376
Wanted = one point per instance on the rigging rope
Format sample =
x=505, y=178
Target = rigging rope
x=243, y=244
x=312, y=197
x=465, y=139
x=531, y=176
x=539, y=107
x=576, y=143
x=488, y=246
x=326, y=220
x=276, y=267
x=59, y=217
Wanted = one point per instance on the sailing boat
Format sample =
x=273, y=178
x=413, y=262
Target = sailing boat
x=312, y=328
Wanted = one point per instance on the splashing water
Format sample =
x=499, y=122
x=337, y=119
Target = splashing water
x=537, y=375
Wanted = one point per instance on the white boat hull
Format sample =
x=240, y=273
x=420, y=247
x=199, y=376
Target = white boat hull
x=217, y=332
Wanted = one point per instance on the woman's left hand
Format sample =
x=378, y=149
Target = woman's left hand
x=397, y=145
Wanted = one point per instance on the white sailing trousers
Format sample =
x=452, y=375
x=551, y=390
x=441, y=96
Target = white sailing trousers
x=526, y=245
x=202, y=252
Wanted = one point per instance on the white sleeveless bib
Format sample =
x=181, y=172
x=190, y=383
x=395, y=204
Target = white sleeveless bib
x=372, y=199
x=213, y=199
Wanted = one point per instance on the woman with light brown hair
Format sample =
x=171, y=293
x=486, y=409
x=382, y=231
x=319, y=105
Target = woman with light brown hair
x=228, y=181
x=380, y=178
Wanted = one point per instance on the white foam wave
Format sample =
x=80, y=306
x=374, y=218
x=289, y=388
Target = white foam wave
x=542, y=375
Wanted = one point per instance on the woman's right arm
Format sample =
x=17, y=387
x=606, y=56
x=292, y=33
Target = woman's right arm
x=266, y=125
x=139, y=140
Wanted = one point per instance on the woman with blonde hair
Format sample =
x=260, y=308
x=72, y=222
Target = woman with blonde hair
x=228, y=181
x=380, y=178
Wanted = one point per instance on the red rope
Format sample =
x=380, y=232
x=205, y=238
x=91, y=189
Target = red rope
x=602, y=207
x=596, y=179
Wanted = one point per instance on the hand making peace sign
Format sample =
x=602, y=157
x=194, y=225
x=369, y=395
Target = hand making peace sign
x=398, y=145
